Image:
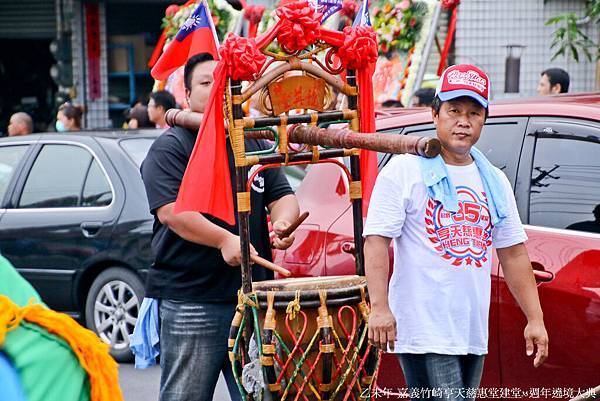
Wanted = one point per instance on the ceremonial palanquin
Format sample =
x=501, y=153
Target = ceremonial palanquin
x=301, y=339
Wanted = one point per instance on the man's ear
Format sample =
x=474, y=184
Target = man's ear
x=556, y=88
x=434, y=116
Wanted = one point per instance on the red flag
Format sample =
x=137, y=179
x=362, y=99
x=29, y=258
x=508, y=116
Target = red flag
x=197, y=35
x=206, y=184
x=368, y=158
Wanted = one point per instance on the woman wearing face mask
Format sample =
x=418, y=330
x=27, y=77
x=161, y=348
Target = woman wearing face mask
x=68, y=118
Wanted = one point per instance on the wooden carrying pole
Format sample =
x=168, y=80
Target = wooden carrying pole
x=330, y=137
x=345, y=138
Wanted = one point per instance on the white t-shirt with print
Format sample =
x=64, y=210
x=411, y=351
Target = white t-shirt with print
x=439, y=291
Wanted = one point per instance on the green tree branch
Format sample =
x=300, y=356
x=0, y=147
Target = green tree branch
x=569, y=40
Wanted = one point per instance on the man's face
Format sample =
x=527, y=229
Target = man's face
x=201, y=85
x=544, y=88
x=459, y=125
x=15, y=127
x=155, y=112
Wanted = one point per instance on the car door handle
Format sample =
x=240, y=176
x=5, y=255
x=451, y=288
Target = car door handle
x=349, y=247
x=90, y=228
x=541, y=275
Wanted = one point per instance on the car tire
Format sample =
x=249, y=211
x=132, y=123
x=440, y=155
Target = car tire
x=112, y=307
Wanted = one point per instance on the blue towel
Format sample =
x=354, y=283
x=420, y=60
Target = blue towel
x=144, y=342
x=440, y=187
x=10, y=382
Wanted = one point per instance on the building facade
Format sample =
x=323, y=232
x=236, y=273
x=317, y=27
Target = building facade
x=93, y=53
x=485, y=28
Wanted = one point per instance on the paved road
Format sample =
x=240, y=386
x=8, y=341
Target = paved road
x=142, y=385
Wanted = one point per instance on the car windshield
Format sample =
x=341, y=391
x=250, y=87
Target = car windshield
x=137, y=148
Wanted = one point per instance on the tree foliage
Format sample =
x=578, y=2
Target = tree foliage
x=569, y=40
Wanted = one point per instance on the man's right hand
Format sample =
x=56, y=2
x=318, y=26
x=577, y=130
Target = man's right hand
x=230, y=249
x=382, y=328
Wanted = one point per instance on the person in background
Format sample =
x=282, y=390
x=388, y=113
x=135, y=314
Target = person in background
x=553, y=81
x=20, y=124
x=138, y=117
x=68, y=118
x=392, y=103
x=423, y=97
x=591, y=226
x=159, y=103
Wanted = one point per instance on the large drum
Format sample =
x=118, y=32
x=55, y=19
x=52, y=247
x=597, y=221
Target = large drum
x=313, y=342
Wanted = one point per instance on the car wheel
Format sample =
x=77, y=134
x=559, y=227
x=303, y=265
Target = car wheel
x=111, y=309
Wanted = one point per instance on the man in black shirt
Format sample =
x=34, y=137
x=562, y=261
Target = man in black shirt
x=196, y=273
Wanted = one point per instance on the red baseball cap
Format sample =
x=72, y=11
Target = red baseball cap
x=464, y=80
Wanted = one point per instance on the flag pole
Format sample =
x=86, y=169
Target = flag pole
x=212, y=24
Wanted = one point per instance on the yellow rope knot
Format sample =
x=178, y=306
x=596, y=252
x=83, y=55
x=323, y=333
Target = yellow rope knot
x=11, y=315
x=293, y=307
x=245, y=299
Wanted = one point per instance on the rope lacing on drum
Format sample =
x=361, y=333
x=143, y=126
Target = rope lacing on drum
x=293, y=306
x=246, y=299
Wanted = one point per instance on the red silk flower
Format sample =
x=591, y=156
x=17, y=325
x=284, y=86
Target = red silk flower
x=299, y=25
x=359, y=48
x=254, y=13
x=449, y=4
x=171, y=10
x=243, y=59
x=349, y=8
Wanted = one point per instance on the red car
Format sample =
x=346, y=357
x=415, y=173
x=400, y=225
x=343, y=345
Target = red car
x=549, y=149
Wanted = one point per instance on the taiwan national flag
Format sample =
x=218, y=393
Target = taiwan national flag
x=328, y=8
x=362, y=17
x=197, y=35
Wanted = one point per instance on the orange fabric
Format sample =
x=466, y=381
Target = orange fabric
x=90, y=350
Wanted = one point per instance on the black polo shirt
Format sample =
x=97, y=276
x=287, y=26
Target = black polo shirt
x=186, y=271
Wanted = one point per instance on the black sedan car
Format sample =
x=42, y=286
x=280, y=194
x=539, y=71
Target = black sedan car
x=74, y=221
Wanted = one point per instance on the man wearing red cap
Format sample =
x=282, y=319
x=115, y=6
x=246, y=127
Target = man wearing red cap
x=444, y=215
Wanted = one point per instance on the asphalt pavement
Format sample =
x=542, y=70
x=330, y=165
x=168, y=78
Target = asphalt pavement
x=143, y=385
